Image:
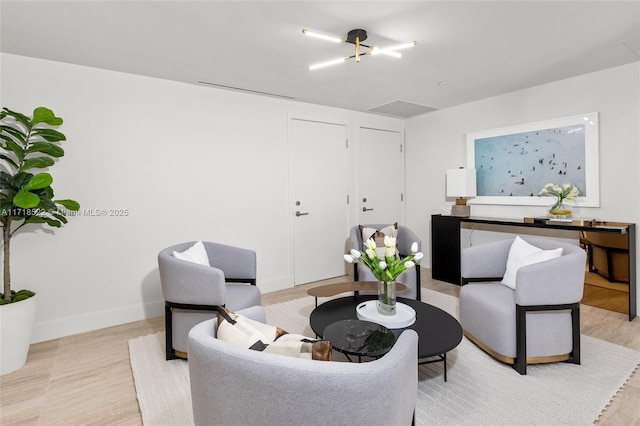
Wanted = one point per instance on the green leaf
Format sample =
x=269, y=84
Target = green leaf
x=21, y=179
x=6, y=180
x=5, y=208
x=69, y=204
x=34, y=219
x=39, y=181
x=16, y=149
x=37, y=163
x=26, y=121
x=45, y=115
x=47, y=204
x=26, y=199
x=9, y=160
x=6, y=137
x=49, y=135
x=53, y=223
x=47, y=148
x=16, y=133
x=60, y=217
x=46, y=192
x=24, y=293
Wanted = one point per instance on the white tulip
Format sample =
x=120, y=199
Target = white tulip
x=371, y=253
x=389, y=242
x=370, y=244
x=383, y=265
x=348, y=258
x=414, y=247
x=409, y=264
x=355, y=253
x=418, y=257
x=391, y=252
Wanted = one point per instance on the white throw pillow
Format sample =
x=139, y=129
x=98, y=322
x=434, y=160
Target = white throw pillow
x=247, y=333
x=522, y=254
x=196, y=254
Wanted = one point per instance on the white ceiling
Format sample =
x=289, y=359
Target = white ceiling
x=480, y=48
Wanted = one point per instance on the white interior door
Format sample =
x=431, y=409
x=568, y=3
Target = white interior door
x=380, y=176
x=318, y=197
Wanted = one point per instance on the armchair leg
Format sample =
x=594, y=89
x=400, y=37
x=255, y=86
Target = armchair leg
x=520, y=364
x=575, y=333
x=168, y=333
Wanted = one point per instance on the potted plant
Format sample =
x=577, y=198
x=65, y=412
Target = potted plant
x=26, y=143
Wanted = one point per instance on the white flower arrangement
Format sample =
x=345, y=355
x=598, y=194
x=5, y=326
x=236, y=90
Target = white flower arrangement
x=388, y=267
x=562, y=192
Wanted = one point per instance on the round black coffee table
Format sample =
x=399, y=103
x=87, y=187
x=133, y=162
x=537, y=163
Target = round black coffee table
x=438, y=332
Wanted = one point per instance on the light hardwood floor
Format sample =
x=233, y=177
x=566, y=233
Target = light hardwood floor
x=87, y=379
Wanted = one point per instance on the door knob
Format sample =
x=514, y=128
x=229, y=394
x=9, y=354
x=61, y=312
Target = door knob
x=301, y=214
x=364, y=209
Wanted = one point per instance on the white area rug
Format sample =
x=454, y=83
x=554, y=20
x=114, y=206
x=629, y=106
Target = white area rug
x=479, y=391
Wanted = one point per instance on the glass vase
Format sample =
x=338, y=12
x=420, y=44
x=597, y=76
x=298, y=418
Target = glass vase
x=560, y=210
x=386, y=297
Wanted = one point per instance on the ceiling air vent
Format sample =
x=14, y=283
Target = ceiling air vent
x=402, y=109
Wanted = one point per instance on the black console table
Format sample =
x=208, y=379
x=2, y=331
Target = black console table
x=445, y=243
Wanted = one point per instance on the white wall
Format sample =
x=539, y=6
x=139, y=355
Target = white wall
x=187, y=162
x=190, y=162
x=436, y=142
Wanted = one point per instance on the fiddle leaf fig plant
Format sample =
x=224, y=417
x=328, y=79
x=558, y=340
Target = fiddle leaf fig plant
x=28, y=143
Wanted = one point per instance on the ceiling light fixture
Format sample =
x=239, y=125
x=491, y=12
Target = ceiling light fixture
x=322, y=36
x=356, y=37
x=377, y=51
x=327, y=64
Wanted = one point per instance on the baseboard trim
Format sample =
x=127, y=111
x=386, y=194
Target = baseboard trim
x=68, y=326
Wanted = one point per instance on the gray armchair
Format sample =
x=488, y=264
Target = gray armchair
x=192, y=292
x=537, y=322
x=237, y=386
x=410, y=277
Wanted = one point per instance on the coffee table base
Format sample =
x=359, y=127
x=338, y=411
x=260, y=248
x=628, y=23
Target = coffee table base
x=441, y=358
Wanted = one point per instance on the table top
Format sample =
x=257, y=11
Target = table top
x=362, y=338
x=592, y=225
x=329, y=290
x=438, y=332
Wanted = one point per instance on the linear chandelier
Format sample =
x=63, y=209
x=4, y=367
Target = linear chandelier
x=356, y=37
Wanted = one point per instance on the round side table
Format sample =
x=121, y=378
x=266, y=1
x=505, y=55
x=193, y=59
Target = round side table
x=359, y=338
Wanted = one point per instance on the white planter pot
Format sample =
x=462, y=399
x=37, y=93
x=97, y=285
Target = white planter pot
x=16, y=327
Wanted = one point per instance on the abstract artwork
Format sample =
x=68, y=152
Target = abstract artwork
x=514, y=163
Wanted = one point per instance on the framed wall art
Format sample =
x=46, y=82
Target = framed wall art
x=514, y=163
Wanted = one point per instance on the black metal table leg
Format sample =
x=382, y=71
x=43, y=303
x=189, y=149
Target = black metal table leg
x=441, y=358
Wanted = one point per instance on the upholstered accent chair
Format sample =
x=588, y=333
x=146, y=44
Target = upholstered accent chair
x=193, y=291
x=236, y=386
x=410, y=277
x=539, y=320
